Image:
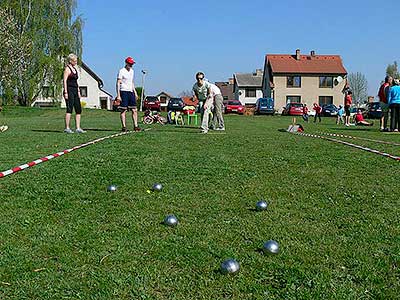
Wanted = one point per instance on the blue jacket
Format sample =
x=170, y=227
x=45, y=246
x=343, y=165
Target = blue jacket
x=394, y=95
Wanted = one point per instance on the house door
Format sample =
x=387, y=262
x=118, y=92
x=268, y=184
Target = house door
x=103, y=102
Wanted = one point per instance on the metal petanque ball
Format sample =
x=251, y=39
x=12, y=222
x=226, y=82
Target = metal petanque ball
x=112, y=188
x=261, y=205
x=230, y=266
x=157, y=187
x=271, y=247
x=171, y=220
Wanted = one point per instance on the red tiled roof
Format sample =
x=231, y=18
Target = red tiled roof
x=189, y=101
x=318, y=64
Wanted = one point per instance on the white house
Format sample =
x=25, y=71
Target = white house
x=91, y=87
x=247, y=87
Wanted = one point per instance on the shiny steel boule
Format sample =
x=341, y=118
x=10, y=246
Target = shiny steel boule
x=157, y=187
x=112, y=188
x=171, y=221
x=230, y=266
x=261, y=205
x=271, y=247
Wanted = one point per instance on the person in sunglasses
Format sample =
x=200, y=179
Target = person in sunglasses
x=202, y=91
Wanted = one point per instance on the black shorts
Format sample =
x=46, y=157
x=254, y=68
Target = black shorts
x=73, y=101
x=128, y=100
x=347, y=110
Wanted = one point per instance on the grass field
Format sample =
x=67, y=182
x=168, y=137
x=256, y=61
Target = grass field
x=334, y=210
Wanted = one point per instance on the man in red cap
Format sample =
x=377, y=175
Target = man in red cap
x=126, y=93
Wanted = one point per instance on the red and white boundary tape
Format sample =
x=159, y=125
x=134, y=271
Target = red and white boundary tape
x=359, y=138
x=48, y=157
x=351, y=145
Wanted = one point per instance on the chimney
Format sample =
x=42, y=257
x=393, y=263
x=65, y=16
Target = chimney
x=312, y=53
x=297, y=54
x=258, y=72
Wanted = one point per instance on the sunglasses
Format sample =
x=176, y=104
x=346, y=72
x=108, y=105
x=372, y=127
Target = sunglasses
x=200, y=78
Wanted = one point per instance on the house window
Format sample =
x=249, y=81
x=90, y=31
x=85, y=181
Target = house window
x=163, y=99
x=293, y=99
x=326, y=82
x=83, y=91
x=250, y=93
x=293, y=81
x=325, y=100
x=48, y=92
x=225, y=97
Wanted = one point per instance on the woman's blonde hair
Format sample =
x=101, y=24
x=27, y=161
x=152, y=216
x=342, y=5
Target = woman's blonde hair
x=72, y=57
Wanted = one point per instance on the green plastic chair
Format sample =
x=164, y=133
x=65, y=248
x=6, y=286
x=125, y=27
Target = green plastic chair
x=192, y=116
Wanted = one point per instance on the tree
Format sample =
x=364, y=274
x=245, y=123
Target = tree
x=45, y=31
x=392, y=70
x=186, y=93
x=359, y=86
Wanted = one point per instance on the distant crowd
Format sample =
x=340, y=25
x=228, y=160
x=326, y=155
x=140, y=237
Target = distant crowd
x=389, y=100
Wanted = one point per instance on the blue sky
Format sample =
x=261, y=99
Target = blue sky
x=173, y=40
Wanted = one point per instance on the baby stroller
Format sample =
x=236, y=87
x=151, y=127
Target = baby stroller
x=153, y=117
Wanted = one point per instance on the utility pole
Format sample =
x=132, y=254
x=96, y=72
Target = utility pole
x=141, y=97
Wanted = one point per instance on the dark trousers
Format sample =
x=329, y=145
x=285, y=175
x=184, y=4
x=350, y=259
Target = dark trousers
x=305, y=117
x=317, y=115
x=394, y=117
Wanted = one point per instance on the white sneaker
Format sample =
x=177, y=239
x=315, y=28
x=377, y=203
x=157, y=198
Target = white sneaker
x=80, y=130
x=204, y=131
x=220, y=129
x=68, y=130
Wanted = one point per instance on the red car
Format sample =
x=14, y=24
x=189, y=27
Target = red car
x=152, y=103
x=293, y=109
x=234, y=106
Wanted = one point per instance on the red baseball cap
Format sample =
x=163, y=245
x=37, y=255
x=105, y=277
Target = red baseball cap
x=129, y=60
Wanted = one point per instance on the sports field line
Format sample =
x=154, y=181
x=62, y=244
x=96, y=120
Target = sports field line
x=58, y=154
x=350, y=144
x=359, y=138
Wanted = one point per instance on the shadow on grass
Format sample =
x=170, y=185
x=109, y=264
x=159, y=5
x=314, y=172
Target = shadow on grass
x=48, y=130
x=62, y=131
x=352, y=129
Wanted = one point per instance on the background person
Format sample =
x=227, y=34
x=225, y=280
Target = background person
x=347, y=104
x=359, y=119
x=339, y=118
x=202, y=91
x=305, y=112
x=127, y=94
x=382, y=94
x=394, y=105
x=72, y=94
x=318, y=110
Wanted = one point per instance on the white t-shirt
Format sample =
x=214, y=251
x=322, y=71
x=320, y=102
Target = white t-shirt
x=126, y=78
x=215, y=90
x=201, y=90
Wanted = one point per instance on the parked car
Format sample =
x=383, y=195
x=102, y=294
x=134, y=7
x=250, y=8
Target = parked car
x=329, y=110
x=233, y=106
x=374, y=110
x=293, y=109
x=264, y=106
x=152, y=103
x=175, y=104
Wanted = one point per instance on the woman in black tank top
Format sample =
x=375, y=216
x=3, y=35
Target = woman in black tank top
x=72, y=95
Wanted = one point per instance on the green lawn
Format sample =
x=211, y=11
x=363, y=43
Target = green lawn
x=334, y=210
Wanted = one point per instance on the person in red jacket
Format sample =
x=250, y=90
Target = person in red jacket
x=305, y=112
x=359, y=119
x=318, y=110
x=347, y=103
